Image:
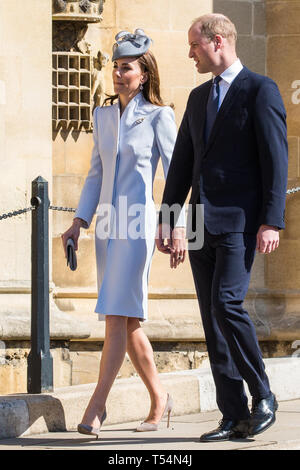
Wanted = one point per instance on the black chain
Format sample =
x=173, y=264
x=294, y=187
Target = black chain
x=65, y=209
x=15, y=213
x=27, y=209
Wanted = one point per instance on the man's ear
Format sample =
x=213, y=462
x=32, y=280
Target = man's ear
x=218, y=41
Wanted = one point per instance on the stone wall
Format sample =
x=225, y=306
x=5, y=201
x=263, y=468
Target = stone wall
x=283, y=65
x=267, y=36
x=25, y=153
x=25, y=137
x=282, y=269
x=267, y=43
x=267, y=32
x=173, y=308
x=25, y=126
x=249, y=17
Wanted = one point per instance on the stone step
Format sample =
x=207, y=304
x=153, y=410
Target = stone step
x=192, y=391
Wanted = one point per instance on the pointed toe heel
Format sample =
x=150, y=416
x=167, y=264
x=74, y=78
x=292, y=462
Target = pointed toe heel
x=145, y=427
x=90, y=430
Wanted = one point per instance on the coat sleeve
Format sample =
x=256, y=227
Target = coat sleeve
x=271, y=135
x=90, y=193
x=180, y=174
x=166, y=133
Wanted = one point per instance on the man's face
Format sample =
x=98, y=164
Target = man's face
x=202, y=50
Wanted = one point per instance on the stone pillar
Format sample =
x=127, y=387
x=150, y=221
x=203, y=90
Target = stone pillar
x=25, y=136
x=26, y=152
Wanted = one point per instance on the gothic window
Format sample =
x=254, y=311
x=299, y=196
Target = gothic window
x=74, y=74
x=71, y=88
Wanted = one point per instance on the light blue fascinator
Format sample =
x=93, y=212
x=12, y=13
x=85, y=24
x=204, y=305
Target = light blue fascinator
x=130, y=45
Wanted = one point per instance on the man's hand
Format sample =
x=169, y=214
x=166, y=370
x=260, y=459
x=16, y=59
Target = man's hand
x=267, y=239
x=176, y=243
x=179, y=247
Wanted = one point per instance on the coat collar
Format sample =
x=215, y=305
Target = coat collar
x=137, y=108
x=135, y=111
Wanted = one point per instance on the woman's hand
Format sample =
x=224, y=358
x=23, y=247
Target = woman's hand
x=163, y=233
x=178, y=251
x=73, y=232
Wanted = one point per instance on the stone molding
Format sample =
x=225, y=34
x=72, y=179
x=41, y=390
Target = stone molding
x=173, y=316
x=16, y=326
x=88, y=11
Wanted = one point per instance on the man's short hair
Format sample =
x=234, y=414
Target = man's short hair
x=216, y=23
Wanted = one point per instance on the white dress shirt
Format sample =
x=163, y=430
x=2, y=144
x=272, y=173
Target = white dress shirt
x=227, y=78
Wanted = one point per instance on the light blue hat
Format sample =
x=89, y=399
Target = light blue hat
x=130, y=45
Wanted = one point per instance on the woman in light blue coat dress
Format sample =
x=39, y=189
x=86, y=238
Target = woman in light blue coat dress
x=129, y=138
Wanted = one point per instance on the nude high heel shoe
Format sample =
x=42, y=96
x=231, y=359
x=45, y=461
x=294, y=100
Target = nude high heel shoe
x=90, y=430
x=144, y=427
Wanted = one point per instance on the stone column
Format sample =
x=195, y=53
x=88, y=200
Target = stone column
x=25, y=153
x=25, y=137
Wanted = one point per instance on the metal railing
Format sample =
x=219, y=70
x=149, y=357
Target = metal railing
x=40, y=361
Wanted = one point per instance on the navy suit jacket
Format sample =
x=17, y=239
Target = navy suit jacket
x=240, y=175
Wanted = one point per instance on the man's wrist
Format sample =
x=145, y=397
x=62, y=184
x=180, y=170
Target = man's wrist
x=270, y=227
x=179, y=229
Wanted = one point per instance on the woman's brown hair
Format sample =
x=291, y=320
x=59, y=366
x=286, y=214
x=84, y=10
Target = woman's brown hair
x=151, y=88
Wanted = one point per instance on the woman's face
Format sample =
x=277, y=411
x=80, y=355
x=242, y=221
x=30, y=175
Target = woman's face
x=127, y=76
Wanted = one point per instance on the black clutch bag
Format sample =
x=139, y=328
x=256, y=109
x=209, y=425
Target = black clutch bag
x=71, y=254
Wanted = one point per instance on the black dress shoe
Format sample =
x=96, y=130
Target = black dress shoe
x=227, y=430
x=262, y=414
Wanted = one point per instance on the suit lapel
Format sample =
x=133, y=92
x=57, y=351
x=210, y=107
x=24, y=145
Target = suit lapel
x=227, y=103
x=201, y=106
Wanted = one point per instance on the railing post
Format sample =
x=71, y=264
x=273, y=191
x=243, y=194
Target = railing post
x=40, y=362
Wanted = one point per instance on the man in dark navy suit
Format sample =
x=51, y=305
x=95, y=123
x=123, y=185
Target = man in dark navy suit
x=232, y=150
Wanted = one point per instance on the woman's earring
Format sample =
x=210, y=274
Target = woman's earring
x=141, y=86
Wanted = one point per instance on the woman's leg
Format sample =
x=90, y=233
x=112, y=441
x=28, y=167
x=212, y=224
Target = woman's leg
x=113, y=354
x=140, y=352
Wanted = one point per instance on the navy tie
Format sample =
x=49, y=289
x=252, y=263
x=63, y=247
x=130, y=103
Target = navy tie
x=212, y=106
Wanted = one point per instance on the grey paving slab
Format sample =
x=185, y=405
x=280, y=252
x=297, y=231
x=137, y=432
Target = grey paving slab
x=182, y=435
